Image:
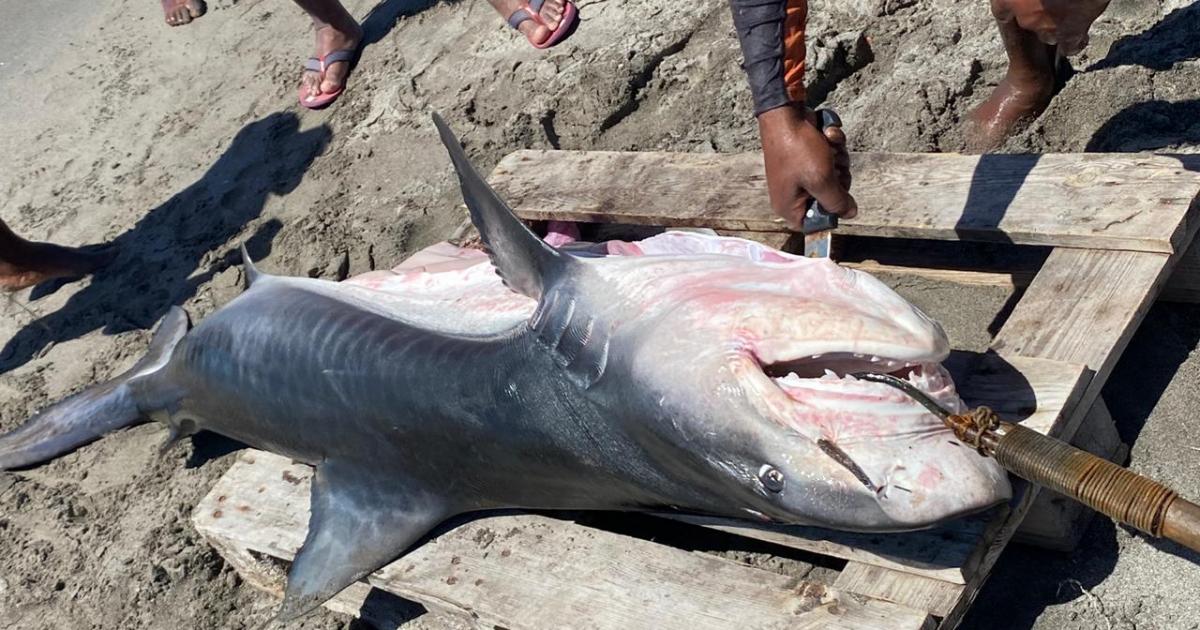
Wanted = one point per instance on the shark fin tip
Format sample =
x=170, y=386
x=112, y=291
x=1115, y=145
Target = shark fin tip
x=252, y=273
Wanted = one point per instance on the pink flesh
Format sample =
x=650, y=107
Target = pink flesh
x=455, y=289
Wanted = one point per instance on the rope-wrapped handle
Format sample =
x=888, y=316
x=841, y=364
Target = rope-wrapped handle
x=1097, y=483
x=1116, y=492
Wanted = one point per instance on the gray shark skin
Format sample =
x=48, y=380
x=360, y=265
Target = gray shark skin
x=608, y=397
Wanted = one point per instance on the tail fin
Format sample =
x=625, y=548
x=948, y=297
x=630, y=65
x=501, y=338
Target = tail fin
x=93, y=412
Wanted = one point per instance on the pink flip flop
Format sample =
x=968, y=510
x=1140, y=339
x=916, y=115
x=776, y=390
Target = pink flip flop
x=320, y=65
x=531, y=11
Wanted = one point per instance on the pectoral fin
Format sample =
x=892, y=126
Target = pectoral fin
x=359, y=522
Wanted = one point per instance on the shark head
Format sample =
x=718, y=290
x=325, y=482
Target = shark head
x=747, y=352
x=741, y=355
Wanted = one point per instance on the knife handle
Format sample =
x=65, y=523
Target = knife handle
x=816, y=218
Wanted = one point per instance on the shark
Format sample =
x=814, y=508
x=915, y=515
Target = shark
x=682, y=373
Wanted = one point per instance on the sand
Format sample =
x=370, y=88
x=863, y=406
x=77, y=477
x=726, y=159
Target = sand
x=179, y=144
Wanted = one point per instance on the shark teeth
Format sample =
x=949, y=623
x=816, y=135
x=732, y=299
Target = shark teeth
x=792, y=379
x=927, y=377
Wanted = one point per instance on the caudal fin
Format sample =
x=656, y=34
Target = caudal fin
x=93, y=412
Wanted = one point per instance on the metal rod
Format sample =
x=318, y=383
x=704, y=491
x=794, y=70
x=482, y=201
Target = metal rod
x=1116, y=492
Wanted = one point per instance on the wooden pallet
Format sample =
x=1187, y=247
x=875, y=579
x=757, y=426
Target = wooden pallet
x=1115, y=226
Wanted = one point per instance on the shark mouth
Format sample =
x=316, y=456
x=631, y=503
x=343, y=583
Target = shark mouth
x=831, y=372
x=850, y=419
x=817, y=397
x=840, y=364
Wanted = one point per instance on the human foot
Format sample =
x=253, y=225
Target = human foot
x=538, y=20
x=180, y=12
x=1012, y=105
x=34, y=263
x=1025, y=91
x=325, y=74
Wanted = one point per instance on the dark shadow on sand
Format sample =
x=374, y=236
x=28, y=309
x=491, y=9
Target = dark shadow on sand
x=1017, y=594
x=1167, y=336
x=159, y=256
x=382, y=18
x=1176, y=38
x=1152, y=125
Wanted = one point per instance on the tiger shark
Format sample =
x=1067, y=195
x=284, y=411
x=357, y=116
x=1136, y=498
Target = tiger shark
x=706, y=380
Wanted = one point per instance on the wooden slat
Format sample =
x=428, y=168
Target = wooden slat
x=1106, y=201
x=903, y=257
x=906, y=589
x=1082, y=307
x=528, y=571
x=382, y=611
x=941, y=554
x=1011, y=280
x=1032, y=391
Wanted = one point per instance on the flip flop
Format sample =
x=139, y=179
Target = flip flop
x=532, y=11
x=320, y=65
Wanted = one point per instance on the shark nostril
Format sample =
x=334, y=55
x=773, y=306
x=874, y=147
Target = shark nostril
x=771, y=478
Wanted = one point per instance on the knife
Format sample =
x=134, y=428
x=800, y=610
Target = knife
x=818, y=223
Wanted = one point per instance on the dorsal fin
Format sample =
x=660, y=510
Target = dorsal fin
x=252, y=272
x=526, y=263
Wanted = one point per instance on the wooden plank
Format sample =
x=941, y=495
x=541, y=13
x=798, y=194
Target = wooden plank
x=522, y=572
x=939, y=554
x=906, y=589
x=904, y=257
x=1110, y=201
x=380, y=610
x=1034, y=392
x=1056, y=522
x=1082, y=307
x=1183, y=287
x=1005, y=280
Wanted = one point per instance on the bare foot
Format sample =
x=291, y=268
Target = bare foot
x=1012, y=106
x=329, y=39
x=35, y=263
x=1024, y=93
x=551, y=14
x=180, y=12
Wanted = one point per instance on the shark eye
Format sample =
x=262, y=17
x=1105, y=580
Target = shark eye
x=771, y=478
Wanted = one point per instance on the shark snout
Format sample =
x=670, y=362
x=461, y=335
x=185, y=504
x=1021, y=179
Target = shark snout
x=939, y=480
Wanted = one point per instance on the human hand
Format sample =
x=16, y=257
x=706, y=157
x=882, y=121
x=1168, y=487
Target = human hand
x=802, y=163
x=1062, y=23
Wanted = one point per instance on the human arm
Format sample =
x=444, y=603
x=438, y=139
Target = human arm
x=801, y=161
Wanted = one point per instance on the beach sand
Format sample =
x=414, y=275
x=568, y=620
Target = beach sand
x=181, y=143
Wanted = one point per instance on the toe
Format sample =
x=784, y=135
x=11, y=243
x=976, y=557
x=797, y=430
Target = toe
x=310, y=85
x=335, y=78
x=551, y=13
x=534, y=32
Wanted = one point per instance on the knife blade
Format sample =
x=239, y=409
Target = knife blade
x=819, y=224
